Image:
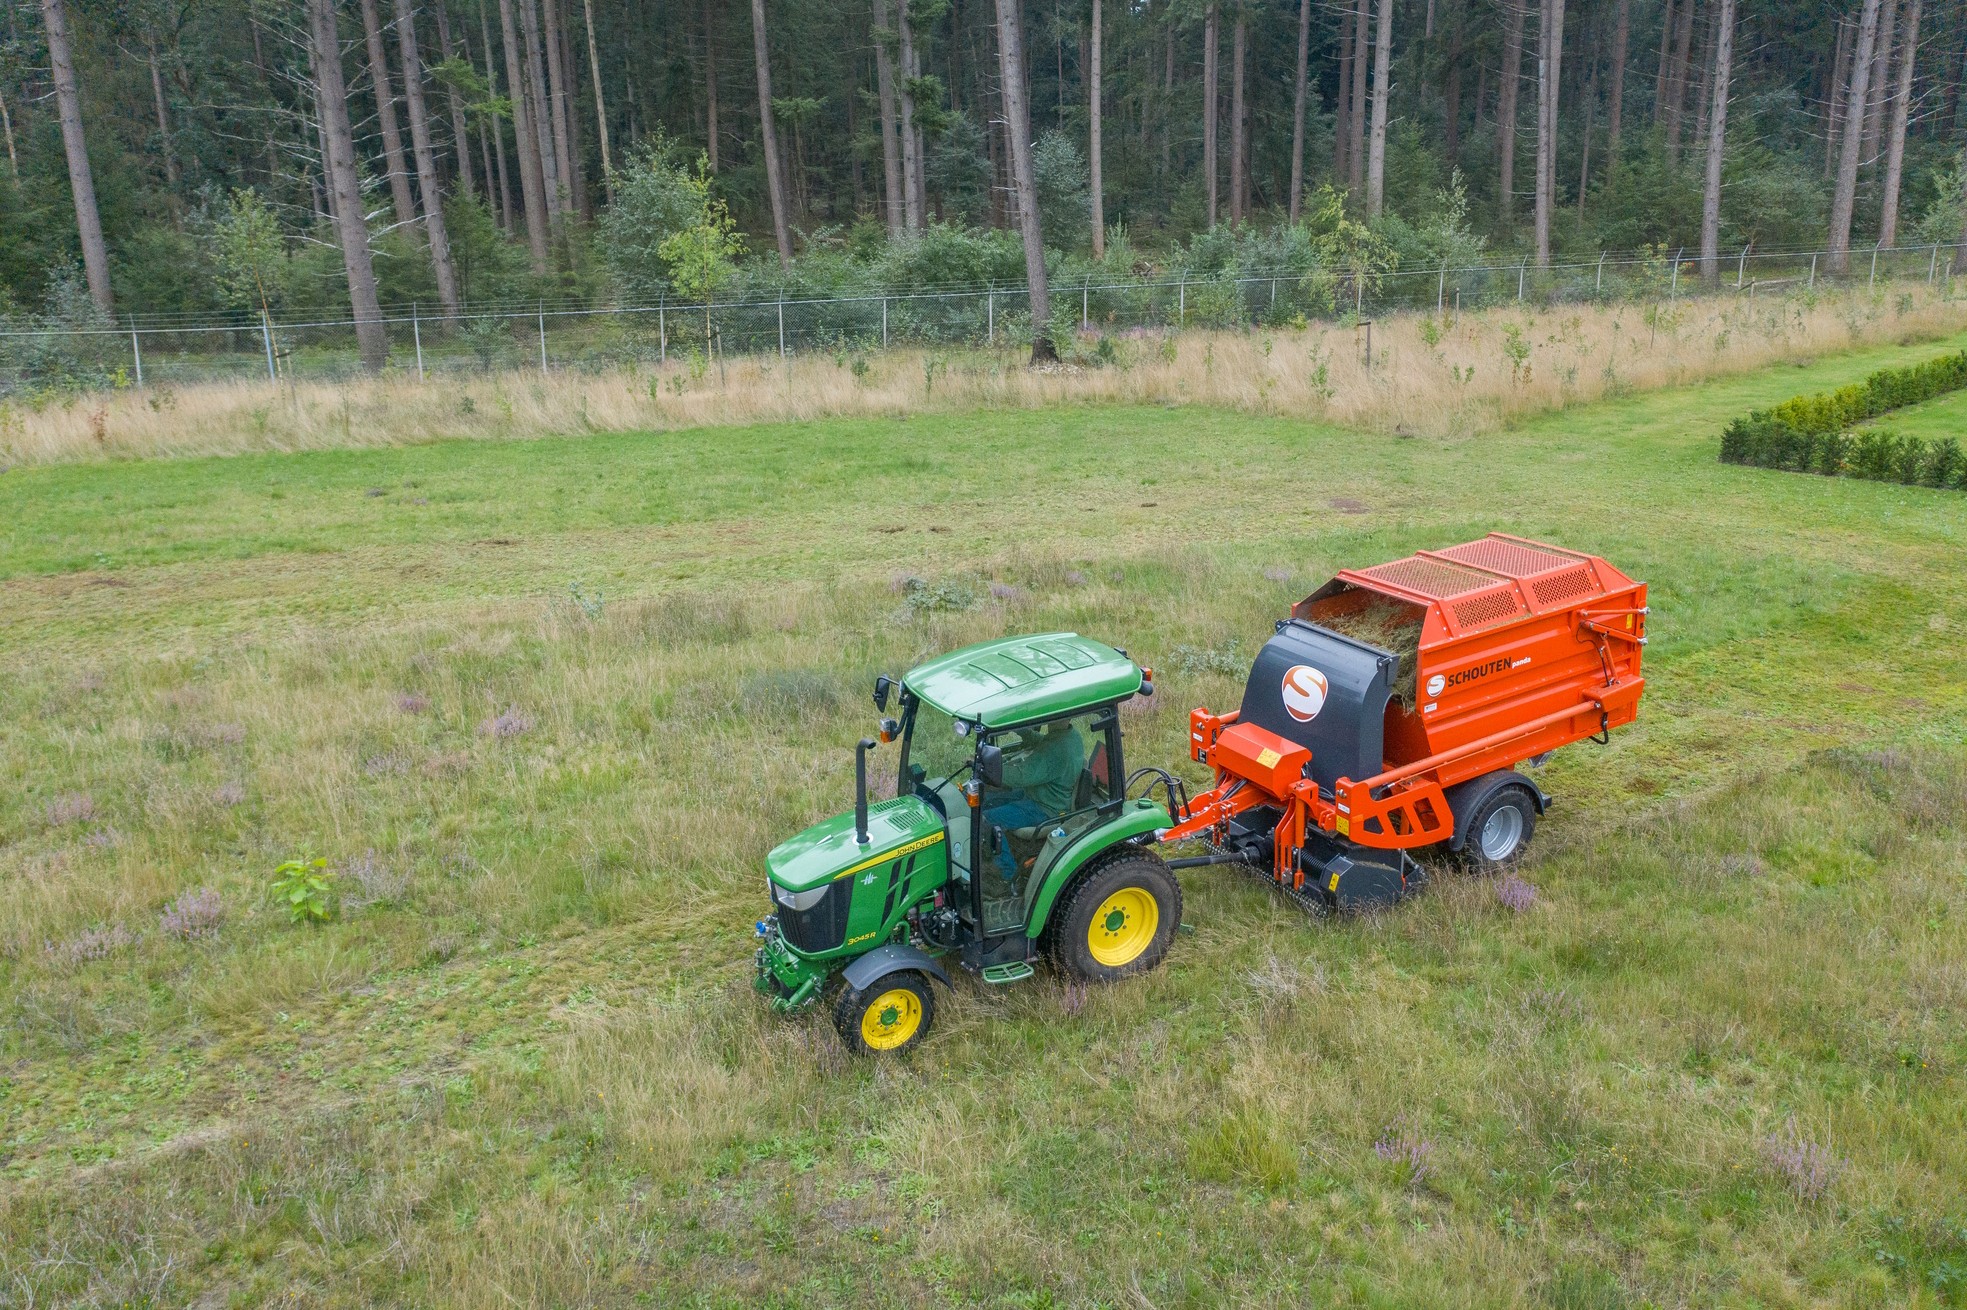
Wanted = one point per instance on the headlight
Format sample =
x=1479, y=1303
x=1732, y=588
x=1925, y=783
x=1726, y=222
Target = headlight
x=805, y=900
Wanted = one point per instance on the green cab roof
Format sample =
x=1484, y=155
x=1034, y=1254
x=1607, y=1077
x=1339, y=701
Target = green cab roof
x=1017, y=679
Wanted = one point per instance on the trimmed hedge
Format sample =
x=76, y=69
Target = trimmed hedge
x=1811, y=434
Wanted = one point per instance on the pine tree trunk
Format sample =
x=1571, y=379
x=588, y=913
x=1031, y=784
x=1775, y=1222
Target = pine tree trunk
x=1704, y=98
x=912, y=188
x=1881, y=76
x=1513, y=15
x=1676, y=76
x=1717, y=131
x=1342, y=107
x=1300, y=88
x=7, y=130
x=497, y=132
x=1239, y=52
x=560, y=115
x=710, y=83
x=1382, y=74
x=1017, y=122
x=1211, y=25
x=433, y=198
x=774, y=169
x=1840, y=77
x=600, y=103
x=526, y=140
x=1550, y=63
x=1843, y=202
x=392, y=138
x=891, y=157
x=1895, y=150
x=460, y=130
x=1616, y=97
x=1451, y=109
x=1093, y=108
x=81, y=179
x=163, y=120
x=576, y=152
x=1355, y=150
x=331, y=99
x=540, y=111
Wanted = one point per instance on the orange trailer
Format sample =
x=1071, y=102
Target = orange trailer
x=1345, y=753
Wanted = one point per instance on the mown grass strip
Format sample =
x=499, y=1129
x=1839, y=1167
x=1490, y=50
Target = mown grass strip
x=1813, y=434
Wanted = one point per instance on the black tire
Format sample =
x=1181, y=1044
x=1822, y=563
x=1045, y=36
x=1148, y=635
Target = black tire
x=875, y=1020
x=1102, y=929
x=1499, y=828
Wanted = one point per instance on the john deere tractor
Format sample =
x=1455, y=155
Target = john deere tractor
x=1010, y=838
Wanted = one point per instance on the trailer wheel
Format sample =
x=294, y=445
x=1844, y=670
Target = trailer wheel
x=888, y=1016
x=1499, y=829
x=1118, y=919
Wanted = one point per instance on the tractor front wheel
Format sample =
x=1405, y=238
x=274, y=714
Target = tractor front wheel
x=888, y=1016
x=1118, y=919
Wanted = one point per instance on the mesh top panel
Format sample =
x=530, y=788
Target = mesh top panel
x=1508, y=557
x=1430, y=577
x=1568, y=585
x=1479, y=610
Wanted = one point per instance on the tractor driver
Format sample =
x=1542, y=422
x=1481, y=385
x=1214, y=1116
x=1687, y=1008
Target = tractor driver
x=1040, y=776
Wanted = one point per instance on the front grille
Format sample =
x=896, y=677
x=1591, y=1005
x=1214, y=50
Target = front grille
x=820, y=927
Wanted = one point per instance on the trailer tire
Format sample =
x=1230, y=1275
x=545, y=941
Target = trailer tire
x=1118, y=919
x=890, y=1015
x=1499, y=828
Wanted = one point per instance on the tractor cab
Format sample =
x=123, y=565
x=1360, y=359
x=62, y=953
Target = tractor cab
x=1010, y=795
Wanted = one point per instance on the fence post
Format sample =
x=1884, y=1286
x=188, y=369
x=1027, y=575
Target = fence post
x=266, y=336
x=1813, y=272
x=1181, y=301
x=990, y=315
x=1933, y=267
x=1873, y=284
x=1741, y=269
x=136, y=349
x=781, y=325
x=416, y=335
x=1085, y=285
x=542, y=313
x=1273, y=293
x=1674, y=294
x=1441, y=287
x=884, y=322
x=662, y=328
x=1522, y=271
x=1598, y=289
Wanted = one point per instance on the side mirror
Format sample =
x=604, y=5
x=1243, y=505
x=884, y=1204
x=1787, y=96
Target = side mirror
x=883, y=684
x=990, y=763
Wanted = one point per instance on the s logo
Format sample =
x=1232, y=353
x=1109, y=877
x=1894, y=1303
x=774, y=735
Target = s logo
x=1304, y=692
x=1435, y=684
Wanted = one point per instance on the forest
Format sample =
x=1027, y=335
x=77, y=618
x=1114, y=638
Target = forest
x=168, y=159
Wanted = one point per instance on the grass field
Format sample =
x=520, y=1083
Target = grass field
x=544, y=707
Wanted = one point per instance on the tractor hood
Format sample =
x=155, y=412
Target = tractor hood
x=830, y=850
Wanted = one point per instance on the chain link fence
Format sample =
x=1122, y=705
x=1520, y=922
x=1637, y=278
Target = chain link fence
x=160, y=350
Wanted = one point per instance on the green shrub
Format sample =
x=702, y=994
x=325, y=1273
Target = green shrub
x=1812, y=434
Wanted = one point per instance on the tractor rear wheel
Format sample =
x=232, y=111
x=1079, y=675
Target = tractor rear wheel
x=1499, y=829
x=1118, y=919
x=888, y=1016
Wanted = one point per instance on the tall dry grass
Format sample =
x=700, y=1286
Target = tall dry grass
x=1417, y=373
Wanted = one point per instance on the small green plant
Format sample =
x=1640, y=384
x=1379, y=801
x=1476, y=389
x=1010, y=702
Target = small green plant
x=305, y=886
x=1430, y=333
x=858, y=366
x=1516, y=349
x=589, y=603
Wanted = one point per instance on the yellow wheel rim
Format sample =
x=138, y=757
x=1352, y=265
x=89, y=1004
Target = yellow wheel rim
x=891, y=1018
x=1123, y=927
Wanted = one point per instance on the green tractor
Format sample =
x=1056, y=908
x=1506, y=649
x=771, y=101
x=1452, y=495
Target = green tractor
x=1011, y=837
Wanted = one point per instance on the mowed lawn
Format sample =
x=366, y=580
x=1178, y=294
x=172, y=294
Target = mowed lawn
x=543, y=706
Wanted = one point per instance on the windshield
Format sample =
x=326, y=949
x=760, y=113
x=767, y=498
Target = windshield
x=936, y=747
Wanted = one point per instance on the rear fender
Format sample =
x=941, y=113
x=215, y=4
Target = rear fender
x=1464, y=798
x=1136, y=818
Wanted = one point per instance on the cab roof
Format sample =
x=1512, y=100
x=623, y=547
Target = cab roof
x=1017, y=679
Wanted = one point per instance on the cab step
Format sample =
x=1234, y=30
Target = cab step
x=997, y=975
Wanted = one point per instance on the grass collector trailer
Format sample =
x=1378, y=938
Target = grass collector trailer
x=1386, y=713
